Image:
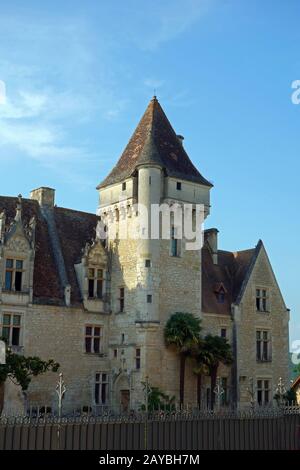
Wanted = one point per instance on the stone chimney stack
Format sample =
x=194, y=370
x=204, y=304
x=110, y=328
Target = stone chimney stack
x=44, y=196
x=211, y=237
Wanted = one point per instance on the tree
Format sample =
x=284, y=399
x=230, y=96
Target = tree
x=21, y=369
x=203, y=359
x=218, y=351
x=183, y=332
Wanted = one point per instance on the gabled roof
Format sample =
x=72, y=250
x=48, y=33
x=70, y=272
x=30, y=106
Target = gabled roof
x=74, y=229
x=155, y=142
x=232, y=271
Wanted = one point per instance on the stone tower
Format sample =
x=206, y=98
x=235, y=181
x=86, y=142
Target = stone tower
x=150, y=279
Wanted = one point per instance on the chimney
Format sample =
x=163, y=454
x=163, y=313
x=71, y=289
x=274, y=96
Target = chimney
x=44, y=196
x=211, y=237
x=180, y=138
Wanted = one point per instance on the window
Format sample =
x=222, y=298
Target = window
x=178, y=186
x=147, y=263
x=124, y=186
x=92, y=339
x=115, y=353
x=14, y=274
x=149, y=299
x=11, y=329
x=122, y=299
x=220, y=297
x=174, y=243
x=101, y=388
x=263, y=346
x=223, y=333
x=122, y=338
x=149, y=180
x=263, y=391
x=261, y=300
x=95, y=283
x=138, y=358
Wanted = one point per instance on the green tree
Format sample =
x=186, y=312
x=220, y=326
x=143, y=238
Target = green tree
x=183, y=332
x=218, y=351
x=203, y=359
x=21, y=369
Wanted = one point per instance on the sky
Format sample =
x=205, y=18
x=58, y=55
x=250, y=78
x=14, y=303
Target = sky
x=79, y=75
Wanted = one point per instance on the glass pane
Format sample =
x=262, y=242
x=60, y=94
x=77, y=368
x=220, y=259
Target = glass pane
x=97, y=377
x=97, y=331
x=103, y=393
x=15, y=340
x=265, y=335
x=91, y=288
x=259, y=384
x=6, y=319
x=257, y=292
x=8, y=280
x=96, y=345
x=9, y=263
x=100, y=273
x=266, y=384
x=18, y=281
x=122, y=292
x=17, y=320
x=88, y=330
x=104, y=377
x=19, y=264
x=138, y=352
x=97, y=387
x=99, y=289
x=5, y=333
x=258, y=335
x=91, y=272
x=88, y=345
x=264, y=293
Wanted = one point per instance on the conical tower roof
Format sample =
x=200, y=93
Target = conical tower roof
x=154, y=142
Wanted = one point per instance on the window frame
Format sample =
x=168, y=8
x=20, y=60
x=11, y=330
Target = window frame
x=13, y=270
x=92, y=338
x=263, y=341
x=262, y=300
x=264, y=392
x=95, y=279
x=11, y=327
x=98, y=390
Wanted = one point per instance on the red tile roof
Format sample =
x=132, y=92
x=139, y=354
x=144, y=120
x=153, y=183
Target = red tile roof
x=155, y=141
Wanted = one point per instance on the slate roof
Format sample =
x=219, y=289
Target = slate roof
x=155, y=141
x=74, y=229
x=232, y=270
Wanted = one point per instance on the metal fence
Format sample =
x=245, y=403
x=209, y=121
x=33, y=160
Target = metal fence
x=272, y=429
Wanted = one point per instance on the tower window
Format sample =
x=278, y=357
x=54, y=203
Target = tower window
x=115, y=353
x=124, y=186
x=138, y=358
x=14, y=274
x=178, y=186
x=122, y=299
x=95, y=283
x=149, y=180
x=149, y=299
x=223, y=333
x=147, y=263
x=174, y=243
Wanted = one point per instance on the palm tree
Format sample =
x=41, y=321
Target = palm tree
x=219, y=351
x=182, y=330
x=203, y=359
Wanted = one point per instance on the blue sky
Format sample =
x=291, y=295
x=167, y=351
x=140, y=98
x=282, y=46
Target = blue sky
x=79, y=76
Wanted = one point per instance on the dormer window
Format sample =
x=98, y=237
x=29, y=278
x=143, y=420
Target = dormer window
x=220, y=292
x=14, y=274
x=95, y=283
